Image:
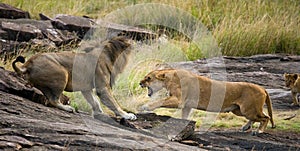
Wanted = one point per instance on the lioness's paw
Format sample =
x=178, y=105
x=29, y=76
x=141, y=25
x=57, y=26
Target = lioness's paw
x=129, y=116
x=295, y=104
x=255, y=133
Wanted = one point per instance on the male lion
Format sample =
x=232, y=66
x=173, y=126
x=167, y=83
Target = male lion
x=52, y=73
x=188, y=90
x=292, y=81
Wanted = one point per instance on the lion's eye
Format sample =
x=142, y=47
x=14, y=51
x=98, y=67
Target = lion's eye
x=148, y=78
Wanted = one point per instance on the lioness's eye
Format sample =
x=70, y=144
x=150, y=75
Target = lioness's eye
x=148, y=78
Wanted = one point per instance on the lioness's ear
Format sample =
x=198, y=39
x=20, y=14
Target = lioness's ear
x=161, y=76
x=295, y=76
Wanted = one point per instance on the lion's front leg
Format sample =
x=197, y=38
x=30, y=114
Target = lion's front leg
x=88, y=95
x=109, y=101
x=169, y=102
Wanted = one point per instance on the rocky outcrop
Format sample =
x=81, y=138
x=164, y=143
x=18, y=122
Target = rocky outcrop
x=7, y=11
x=26, y=123
x=17, y=31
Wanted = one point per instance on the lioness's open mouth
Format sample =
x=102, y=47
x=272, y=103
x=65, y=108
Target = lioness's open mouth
x=150, y=91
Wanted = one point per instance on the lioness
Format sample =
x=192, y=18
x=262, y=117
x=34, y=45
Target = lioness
x=292, y=81
x=188, y=90
x=52, y=73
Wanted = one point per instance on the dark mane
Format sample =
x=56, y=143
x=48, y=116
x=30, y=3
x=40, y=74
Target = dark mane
x=115, y=47
x=116, y=52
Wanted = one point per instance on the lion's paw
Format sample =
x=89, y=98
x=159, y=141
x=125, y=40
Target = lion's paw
x=66, y=108
x=144, y=108
x=69, y=109
x=129, y=116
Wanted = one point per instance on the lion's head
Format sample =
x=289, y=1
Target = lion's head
x=154, y=81
x=290, y=79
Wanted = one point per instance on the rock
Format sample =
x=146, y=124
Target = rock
x=36, y=34
x=80, y=25
x=64, y=31
x=10, y=12
x=27, y=125
x=135, y=33
x=163, y=126
x=42, y=128
x=21, y=32
x=31, y=125
x=3, y=34
x=9, y=48
x=28, y=29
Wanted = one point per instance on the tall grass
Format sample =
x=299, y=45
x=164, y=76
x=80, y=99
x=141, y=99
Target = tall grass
x=241, y=28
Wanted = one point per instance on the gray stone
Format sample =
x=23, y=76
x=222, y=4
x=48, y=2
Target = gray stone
x=7, y=11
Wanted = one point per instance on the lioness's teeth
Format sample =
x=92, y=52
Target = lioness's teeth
x=150, y=91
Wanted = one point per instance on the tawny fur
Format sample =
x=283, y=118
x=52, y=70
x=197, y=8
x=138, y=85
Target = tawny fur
x=54, y=73
x=188, y=90
x=292, y=81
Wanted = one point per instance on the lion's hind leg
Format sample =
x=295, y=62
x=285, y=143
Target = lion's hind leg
x=53, y=90
x=55, y=102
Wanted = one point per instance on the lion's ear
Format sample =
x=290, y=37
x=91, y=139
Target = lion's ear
x=161, y=76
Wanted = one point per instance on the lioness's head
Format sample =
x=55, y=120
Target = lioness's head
x=290, y=79
x=154, y=81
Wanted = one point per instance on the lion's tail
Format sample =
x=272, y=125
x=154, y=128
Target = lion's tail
x=270, y=109
x=17, y=69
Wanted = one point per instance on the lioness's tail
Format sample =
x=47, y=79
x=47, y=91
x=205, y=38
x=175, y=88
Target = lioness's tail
x=17, y=69
x=270, y=109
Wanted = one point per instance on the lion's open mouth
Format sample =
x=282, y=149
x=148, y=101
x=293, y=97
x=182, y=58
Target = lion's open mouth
x=150, y=91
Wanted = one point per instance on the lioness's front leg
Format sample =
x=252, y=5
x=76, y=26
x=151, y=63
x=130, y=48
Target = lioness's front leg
x=295, y=98
x=169, y=102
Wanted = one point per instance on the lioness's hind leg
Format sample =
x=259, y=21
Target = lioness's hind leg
x=263, y=123
x=249, y=123
x=247, y=126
